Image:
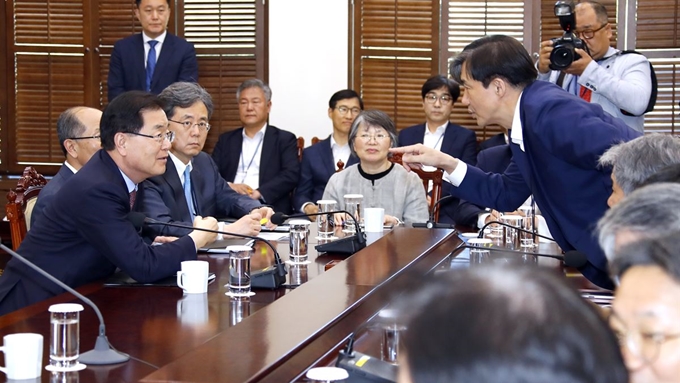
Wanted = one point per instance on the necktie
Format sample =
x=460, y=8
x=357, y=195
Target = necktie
x=133, y=198
x=150, y=63
x=187, y=192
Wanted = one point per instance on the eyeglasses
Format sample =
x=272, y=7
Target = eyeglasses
x=95, y=137
x=188, y=125
x=644, y=345
x=380, y=137
x=589, y=33
x=170, y=136
x=432, y=98
x=343, y=110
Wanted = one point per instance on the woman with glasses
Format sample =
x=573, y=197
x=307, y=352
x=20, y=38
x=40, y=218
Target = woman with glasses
x=645, y=314
x=379, y=181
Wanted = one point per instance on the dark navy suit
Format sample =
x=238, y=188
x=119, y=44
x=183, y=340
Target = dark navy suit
x=497, y=140
x=458, y=142
x=164, y=197
x=47, y=193
x=318, y=165
x=279, y=164
x=127, y=69
x=84, y=236
x=564, y=137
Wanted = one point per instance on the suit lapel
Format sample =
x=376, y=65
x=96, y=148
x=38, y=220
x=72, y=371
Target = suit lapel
x=269, y=151
x=138, y=62
x=327, y=156
x=197, y=184
x=167, y=51
x=234, y=155
x=448, y=139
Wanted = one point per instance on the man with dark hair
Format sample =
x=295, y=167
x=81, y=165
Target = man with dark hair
x=153, y=59
x=191, y=184
x=500, y=324
x=620, y=83
x=556, y=141
x=438, y=132
x=259, y=160
x=322, y=160
x=85, y=234
x=78, y=132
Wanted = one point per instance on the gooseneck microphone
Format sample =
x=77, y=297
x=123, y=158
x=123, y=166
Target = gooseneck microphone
x=431, y=224
x=103, y=352
x=481, y=231
x=571, y=258
x=269, y=278
x=348, y=245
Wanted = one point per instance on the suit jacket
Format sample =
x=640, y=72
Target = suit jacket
x=497, y=140
x=458, y=142
x=563, y=138
x=279, y=164
x=84, y=236
x=49, y=191
x=318, y=165
x=127, y=68
x=164, y=197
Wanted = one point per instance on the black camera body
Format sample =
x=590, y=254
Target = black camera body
x=563, y=53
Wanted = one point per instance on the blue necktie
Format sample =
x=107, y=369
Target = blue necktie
x=150, y=63
x=187, y=192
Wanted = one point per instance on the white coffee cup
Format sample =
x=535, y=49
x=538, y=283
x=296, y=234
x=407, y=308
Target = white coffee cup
x=193, y=278
x=23, y=355
x=373, y=219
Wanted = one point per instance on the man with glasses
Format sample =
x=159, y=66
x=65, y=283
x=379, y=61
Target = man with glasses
x=620, y=83
x=321, y=161
x=153, y=59
x=78, y=132
x=85, y=233
x=191, y=185
x=438, y=132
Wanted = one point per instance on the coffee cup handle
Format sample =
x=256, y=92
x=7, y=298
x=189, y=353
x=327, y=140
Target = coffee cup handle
x=3, y=369
x=179, y=280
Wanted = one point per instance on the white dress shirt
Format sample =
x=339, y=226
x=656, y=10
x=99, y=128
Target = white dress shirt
x=248, y=171
x=434, y=140
x=340, y=153
x=158, y=47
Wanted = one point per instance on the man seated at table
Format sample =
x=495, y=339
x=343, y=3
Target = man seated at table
x=322, y=160
x=504, y=324
x=78, y=133
x=191, y=185
x=85, y=234
x=634, y=161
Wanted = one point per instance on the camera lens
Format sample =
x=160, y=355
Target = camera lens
x=561, y=57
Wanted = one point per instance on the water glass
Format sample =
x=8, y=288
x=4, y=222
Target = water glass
x=239, y=270
x=527, y=240
x=324, y=222
x=65, y=335
x=478, y=253
x=391, y=335
x=299, y=239
x=510, y=234
x=353, y=204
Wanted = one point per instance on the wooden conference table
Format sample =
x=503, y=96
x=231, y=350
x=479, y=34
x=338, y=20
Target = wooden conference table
x=274, y=336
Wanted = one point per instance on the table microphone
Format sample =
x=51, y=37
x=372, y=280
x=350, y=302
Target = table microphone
x=481, y=231
x=269, y=278
x=431, y=224
x=348, y=245
x=571, y=258
x=103, y=352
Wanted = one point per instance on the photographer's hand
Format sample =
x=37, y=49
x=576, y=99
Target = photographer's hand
x=544, y=56
x=579, y=66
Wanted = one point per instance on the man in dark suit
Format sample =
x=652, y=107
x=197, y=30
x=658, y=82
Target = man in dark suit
x=189, y=108
x=78, y=132
x=259, y=160
x=85, y=233
x=497, y=140
x=439, y=94
x=556, y=140
x=322, y=160
x=173, y=58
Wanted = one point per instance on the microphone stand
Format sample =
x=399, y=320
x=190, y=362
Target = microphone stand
x=572, y=258
x=431, y=224
x=103, y=352
x=348, y=245
x=481, y=231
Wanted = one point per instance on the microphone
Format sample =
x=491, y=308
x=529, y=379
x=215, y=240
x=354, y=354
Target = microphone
x=431, y=224
x=269, y=278
x=571, y=258
x=348, y=245
x=481, y=231
x=103, y=352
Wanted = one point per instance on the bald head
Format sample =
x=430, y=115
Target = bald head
x=78, y=132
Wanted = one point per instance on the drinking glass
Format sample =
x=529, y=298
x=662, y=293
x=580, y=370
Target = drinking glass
x=478, y=253
x=511, y=235
x=239, y=270
x=353, y=204
x=324, y=222
x=64, y=335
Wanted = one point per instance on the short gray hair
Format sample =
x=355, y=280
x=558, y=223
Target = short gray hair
x=69, y=126
x=634, y=161
x=651, y=212
x=375, y=118
x=254, y=83
x=183, y=95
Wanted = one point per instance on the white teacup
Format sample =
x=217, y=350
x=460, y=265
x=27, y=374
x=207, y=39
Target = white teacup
x=23, y=355
x=374, y=217
x=193, y=278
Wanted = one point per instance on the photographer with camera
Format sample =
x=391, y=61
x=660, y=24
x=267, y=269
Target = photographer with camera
x=583, y=63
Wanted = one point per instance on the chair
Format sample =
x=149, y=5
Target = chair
x=315, y=140
x=436, y=177
x=300, y=147
x=20, y=202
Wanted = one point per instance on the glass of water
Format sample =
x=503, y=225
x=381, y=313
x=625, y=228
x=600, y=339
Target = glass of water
x=324, y=222
x=353, y=204
x=527, y=240
x=511, y=235
x=478, y=252
x=239, y=270
x=64, y=335
x=299, y=239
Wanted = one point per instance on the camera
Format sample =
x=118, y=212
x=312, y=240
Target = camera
x=563, y=53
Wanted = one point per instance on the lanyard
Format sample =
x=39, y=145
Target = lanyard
x=437, y=143
x=243, y=162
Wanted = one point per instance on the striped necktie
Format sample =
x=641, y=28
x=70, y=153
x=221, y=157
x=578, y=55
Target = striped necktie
x=150, y=63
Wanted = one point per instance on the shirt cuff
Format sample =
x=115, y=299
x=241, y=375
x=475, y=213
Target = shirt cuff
x=220, y=227
x=458, y=174
x=481, y=219
x=304, y=205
